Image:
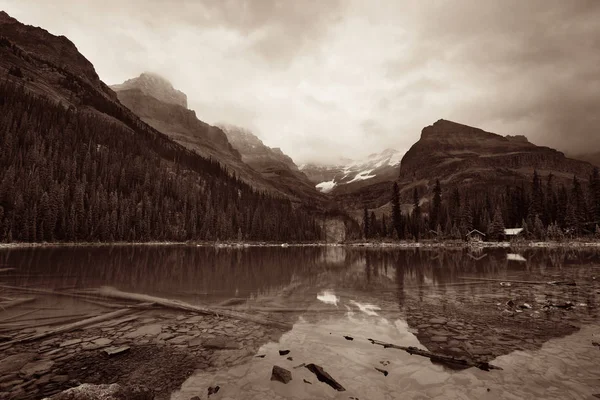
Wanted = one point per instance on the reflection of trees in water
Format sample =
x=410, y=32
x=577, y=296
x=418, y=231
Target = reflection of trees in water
x=420, y=269
x=263, y=271
x=174, y=269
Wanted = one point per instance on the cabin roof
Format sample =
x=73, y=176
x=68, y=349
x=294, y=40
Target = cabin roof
x=513, y=231
x=475, y=231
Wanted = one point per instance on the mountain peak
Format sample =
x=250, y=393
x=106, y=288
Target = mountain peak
x=154, y=85
x=5, y=18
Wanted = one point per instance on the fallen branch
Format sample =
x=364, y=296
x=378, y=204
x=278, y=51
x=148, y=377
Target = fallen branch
x=14, y=326
x=6, y=269
x=16, y=302
x=103, y=303
x=19, y=315
x=50, y=292
x=180, y=305
x=70, y=327
x=520, y=282
x=442, y=359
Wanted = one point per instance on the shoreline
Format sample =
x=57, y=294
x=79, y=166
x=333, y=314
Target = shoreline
x=238, y=245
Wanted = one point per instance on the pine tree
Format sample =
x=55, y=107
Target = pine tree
x=436, y=206
x=497, y=227
x=538, y=228
x=396, y=214
x=537, y=197
x=373, y=226
x=416, y=217
x=366, y=228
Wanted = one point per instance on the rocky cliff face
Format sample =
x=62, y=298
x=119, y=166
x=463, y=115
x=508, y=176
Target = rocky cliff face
x=463, y=155
x=177, y=121
x=51, y=64
x=155, y=86
x=592, y=158
x=274, y=165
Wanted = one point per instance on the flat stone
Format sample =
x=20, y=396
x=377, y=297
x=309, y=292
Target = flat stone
x=439, y=338
x=15, y=362
x=280, y=374
x=195, y=342
x=221, y=343
x=113, y=351
x=194, y=320
x=71, y=342
x=165, y=336
x=105, y=392
x=96, y=344
x=59, y=378
x=10, y=384
x=36, y=368
x=181, y=339
x=461, y=337
x=146, y=330
x=440, y=321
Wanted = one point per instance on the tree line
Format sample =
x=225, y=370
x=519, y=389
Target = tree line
x=544, y=209
x=78, y=176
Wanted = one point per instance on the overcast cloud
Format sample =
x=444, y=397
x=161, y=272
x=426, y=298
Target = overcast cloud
x=324, y=79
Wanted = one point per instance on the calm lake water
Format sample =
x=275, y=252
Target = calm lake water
x=386, y=294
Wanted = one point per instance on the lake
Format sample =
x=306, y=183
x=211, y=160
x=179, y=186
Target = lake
x=533, y=313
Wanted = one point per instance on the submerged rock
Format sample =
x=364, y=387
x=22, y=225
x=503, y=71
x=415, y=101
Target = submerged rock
x=213, y=390
x=105, y=392
x=36, y=368
x=323, y=376
x=220, y=343
x=281, y=374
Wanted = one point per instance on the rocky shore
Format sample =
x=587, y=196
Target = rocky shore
x=155, y=349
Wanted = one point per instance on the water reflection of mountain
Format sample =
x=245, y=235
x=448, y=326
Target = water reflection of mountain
x=168, y=269
x=256, y=272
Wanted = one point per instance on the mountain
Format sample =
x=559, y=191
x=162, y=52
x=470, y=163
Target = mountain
x=156, y=102
x=592, y=158
x=155, y=86
x=328, y=178
x=354, y=183
x=467, y=157
x=274, y=165
x=77, y=165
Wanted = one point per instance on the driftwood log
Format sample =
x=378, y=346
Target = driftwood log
x=180, y=305
x=70, y=327
x=442, y=359
x=556, y=283
x=15, y=302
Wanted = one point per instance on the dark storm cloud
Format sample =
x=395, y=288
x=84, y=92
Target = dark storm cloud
x=533, y=65
x=346, y=78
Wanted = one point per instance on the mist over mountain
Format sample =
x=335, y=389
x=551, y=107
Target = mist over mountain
x=290, y=71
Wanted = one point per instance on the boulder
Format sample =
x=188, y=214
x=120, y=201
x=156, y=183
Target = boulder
x=281, y=374
x=323, y=376
x=105, y=392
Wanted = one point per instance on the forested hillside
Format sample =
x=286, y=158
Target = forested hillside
x=545, y=209
x=72, y=175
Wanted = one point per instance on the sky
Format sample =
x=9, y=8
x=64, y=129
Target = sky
x=331, y=79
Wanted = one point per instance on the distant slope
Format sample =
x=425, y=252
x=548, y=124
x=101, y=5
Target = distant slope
x=592, y=158
x=463, y=156
x=157, y=103
x=79, y=166
x=355, y=184
x=275, y=166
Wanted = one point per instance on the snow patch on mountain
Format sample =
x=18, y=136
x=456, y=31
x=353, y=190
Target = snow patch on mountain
x=328, y=177
x=326, y=187
x=361, y=176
